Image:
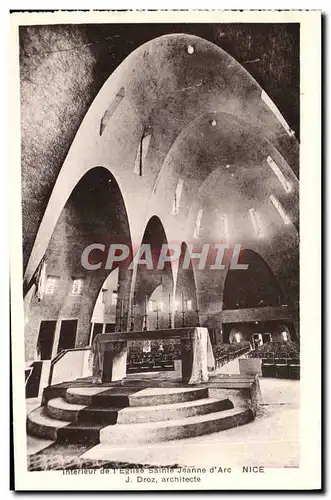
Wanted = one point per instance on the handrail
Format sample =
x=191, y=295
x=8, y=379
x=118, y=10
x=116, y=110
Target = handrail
x=231, y=356
x=60, y=355
x=30, y=368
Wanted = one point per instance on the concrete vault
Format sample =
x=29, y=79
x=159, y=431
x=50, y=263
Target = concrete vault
x=181, y=144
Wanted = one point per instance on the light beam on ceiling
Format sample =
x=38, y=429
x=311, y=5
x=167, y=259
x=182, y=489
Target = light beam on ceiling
x=266, y=99
x=224, y=227
x=286, y=185
x=256, y=222
x=280, y=209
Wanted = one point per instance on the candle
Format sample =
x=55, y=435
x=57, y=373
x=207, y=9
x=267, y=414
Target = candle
x=182, y=301
x=169, y=304
x=145, y=304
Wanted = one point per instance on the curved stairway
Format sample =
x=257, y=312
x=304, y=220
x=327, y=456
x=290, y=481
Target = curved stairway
x=126, y=416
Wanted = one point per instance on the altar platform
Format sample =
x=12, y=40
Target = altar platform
x=78, y=415
x=122, y=409
x=203, y=446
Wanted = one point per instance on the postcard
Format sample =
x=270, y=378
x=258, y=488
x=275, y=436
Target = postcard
x=165, y=216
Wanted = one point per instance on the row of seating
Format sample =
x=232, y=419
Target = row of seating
x=150, y=357
x=281, y=361
x=270, y=355
x=150, y=366
x=281, y=368
x=150, y=361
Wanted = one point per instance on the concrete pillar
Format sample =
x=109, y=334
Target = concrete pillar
x=122, y=322
x=210, y=285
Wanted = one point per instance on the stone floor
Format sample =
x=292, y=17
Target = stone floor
x=272, y=439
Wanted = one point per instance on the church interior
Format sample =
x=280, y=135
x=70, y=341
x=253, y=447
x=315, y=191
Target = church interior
x=171, y=135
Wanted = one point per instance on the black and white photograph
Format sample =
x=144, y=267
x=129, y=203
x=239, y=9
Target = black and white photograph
x=163, y=315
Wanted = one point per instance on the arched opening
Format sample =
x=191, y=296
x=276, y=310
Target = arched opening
x=153, y=287
x=256, y=286
x=255, y=289
x=186, y=307
x=157, y=309
x=94, y=213
x=151, y=305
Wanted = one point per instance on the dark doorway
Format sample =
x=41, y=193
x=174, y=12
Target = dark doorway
x=67, y=334
x=46, y=339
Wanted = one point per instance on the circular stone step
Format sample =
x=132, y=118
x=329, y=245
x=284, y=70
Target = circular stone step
x=122, y=397
x=135, y=434
x=83, y=395
x=174, y=411
x=41, y=425
x=60, y=409
x=166, y=396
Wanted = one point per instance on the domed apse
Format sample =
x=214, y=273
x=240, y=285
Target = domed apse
x=186, y=298
x=94, y=213
x=256, y=287
x=147, y=280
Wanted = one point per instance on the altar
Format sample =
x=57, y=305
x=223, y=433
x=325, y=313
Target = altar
x=109, y=353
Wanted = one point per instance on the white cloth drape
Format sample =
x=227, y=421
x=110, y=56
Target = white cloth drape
x=203, y=357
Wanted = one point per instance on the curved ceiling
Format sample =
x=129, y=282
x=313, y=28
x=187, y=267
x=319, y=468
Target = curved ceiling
x=68, y=79
x=225, y=165
x=208, y=123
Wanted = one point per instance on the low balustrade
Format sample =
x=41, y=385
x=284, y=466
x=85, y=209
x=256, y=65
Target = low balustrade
x=276, y=366
x=224, y=353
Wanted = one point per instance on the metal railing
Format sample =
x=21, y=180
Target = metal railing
x=226, y=358
x=60, y=355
